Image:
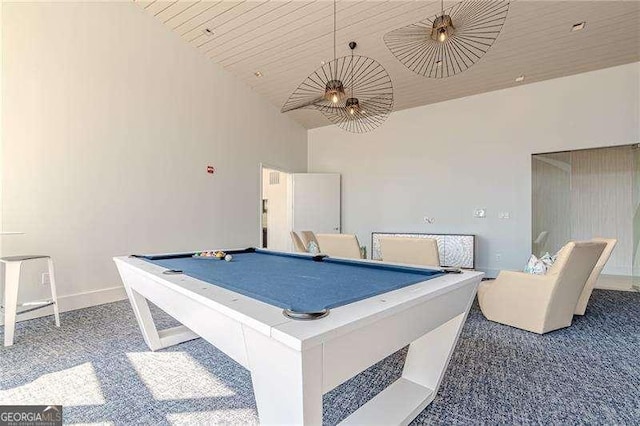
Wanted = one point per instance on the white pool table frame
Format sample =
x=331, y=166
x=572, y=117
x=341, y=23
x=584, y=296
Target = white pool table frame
x=293, y=363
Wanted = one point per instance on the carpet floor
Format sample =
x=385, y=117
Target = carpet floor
x=99, y=368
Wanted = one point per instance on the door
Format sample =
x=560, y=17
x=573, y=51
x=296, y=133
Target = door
x=276, y=209
x=316, y=202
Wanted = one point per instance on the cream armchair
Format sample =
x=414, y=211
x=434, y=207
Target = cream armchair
x=339, y=245
x=541, y=303
x=413, y=251
x=297, y=243
x=308, y=237
x=593, y=278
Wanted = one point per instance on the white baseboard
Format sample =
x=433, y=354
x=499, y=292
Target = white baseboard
x=78, y=301
x=488, y=272
x=616, y=282
x=605, y=281
x=617, y=270
x=113, y=294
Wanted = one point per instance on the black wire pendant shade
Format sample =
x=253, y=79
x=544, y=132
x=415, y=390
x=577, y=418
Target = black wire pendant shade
x=451, y=41
x=354, y=92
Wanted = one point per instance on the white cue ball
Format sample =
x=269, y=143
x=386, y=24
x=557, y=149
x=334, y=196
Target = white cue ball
x=228, y=258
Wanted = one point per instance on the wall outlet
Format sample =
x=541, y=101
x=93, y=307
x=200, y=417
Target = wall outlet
x=480, y=213
x=504, y=215
x=45, y=278
x=428, y=219
x=498, y=257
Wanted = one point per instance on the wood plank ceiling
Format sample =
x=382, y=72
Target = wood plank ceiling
x=283, y=41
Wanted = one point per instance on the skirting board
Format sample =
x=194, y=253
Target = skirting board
x=616, y=282
x=605, y=281
x=489, y=272
x=114, y=294
x=78, y=301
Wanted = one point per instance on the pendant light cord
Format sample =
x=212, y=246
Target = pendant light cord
x=352, y=82
x=335, y=61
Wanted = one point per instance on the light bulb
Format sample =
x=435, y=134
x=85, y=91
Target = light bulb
x=442, y=35
x=334, y=98
x=352, y=110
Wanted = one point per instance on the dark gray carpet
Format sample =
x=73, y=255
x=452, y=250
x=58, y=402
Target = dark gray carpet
x=98, y=366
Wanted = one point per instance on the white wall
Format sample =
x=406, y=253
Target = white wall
x=1, y=102
x=446, y=159
x=109, y=122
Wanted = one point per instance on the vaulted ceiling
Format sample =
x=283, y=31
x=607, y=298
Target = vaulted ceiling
x=273, y=45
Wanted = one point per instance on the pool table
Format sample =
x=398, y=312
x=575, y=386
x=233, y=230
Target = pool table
x=304, y=324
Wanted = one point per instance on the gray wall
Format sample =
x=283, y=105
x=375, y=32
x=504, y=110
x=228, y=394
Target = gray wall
x=109, y=122
x=445, y=160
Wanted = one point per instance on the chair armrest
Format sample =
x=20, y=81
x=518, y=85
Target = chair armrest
x=531, y=288
x=517, y=298
x=523, y=278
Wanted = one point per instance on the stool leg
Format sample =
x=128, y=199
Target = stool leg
x=11, y=283
x=54, y=294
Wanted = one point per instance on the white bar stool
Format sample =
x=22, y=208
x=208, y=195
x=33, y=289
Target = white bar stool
x=13, y=264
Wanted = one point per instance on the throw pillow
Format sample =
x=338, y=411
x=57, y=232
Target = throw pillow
x=535, y=266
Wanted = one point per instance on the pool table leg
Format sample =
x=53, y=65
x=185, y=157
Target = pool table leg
x=424, y=368
x=153, y=338
x=287, y=383
x=429, y=356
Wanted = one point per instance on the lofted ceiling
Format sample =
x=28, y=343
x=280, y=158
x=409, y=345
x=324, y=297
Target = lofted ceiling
x=283, y=41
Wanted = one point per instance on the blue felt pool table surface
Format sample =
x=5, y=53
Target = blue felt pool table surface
x=295, y=282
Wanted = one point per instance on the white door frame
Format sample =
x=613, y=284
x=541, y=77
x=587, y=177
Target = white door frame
x=261, y=167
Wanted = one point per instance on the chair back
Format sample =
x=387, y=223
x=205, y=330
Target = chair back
x=597, y=270
x=297, y=243
x=413, y=251
x=339, y=245
x=572, y=268
x=307, y=237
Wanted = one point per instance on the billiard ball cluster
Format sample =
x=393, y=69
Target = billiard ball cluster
x=217, y=254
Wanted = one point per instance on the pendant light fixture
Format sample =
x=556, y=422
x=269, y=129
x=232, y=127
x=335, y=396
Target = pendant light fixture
x=451, y=41
x=352, y=104
x=354, y=92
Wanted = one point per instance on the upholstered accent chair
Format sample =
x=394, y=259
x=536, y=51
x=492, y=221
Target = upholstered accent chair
x=297, y=243
x=541, y=303
x=413, y=251
x=307, y=237
x=593, y=278
x=339, y=245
